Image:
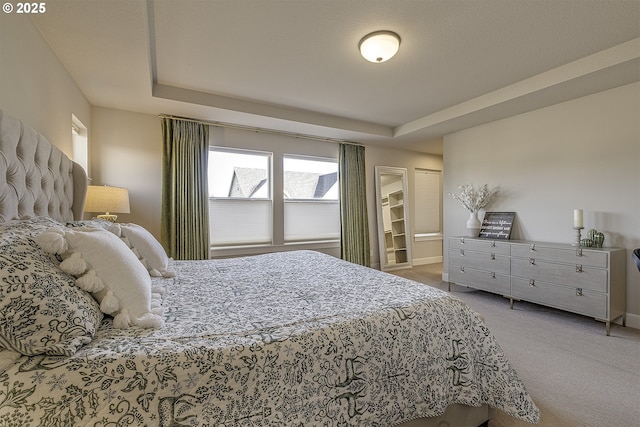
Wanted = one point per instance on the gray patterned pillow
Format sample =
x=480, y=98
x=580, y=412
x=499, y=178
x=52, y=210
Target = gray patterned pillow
x=41, y=309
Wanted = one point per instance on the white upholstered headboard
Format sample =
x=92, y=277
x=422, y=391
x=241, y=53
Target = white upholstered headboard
x=36, y=178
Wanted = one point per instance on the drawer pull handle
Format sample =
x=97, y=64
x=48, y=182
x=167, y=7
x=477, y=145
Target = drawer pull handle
x=532, y=247
x=532, y=282
x=532, y=261
x=493, y=256
x=493, y=243
x=578, y=292
x=579, y=252
x=461, y=252
x=462, y=269
x=578, y=269
x=493, y=275
x=462, y=240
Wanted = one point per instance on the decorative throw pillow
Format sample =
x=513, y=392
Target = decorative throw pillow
x=41, y=310
x=146, y=247
x=108, y=269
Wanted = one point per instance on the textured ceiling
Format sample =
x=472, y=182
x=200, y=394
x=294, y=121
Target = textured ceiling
x=294, y=66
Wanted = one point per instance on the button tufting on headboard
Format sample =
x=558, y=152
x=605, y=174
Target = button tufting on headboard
x=36, y=178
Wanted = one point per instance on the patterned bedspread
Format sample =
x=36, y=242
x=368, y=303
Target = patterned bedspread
x=286, y=339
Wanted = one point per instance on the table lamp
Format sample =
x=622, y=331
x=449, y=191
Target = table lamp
x=102, y=198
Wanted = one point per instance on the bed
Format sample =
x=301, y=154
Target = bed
x=285, y=339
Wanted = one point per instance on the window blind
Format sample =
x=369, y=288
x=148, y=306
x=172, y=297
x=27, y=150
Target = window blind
x=311, y=220
x=427, y=201
x=240, y=222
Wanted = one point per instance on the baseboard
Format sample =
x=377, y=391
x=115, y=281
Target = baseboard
x=429, y=260
x=418, y=261
x=633, y=321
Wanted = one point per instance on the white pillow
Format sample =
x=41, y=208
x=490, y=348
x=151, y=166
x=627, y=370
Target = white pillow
x=107, y=268
x=146, y=247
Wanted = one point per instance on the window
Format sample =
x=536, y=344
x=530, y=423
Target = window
x=79, y=144
x=311, y=205
x=240, y=202
x=428, y=201
x=261, y=198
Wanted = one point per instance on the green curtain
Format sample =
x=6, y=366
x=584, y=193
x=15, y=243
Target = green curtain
x=185, y=196
x=353, y=205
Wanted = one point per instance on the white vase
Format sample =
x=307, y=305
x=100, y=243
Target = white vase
x=473, y=225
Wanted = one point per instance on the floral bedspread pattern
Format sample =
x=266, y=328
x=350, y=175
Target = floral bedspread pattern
x=287, y=339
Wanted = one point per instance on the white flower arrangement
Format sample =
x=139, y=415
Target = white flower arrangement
x=473, y=198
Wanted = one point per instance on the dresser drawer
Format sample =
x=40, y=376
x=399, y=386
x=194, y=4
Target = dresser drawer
x=481, y=245
x=480, y=260
x=491, y=282
x=571, y=275
x=563, y=297
x=582, y=256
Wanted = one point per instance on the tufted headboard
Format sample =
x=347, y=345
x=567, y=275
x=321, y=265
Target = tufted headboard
x=36, y=178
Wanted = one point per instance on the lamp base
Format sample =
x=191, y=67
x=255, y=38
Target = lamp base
x=108, y=217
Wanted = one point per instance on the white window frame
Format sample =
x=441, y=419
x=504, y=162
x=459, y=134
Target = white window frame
x=327, y=205
x=80, y=144
x=252, y=205
x=277, y=242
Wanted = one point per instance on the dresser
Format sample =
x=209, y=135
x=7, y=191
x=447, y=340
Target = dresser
x=587, y=281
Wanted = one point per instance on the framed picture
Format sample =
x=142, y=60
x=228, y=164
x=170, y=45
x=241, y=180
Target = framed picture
x=497, y=225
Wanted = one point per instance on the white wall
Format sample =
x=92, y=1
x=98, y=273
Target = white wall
x=278, y=145
x=430, y=251
x=423, y=252
x=34, y=85
x=125, y=148
x=583, y=153
x=126, y=151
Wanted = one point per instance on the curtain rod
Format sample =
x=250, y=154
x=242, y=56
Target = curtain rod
x=259, y=130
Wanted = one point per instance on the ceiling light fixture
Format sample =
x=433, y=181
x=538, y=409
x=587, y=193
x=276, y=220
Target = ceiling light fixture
x=379, y=46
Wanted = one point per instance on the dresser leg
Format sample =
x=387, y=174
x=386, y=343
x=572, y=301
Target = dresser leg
x=608, y=328
x=511, y=303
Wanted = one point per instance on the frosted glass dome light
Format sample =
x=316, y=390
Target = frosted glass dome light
x=379, y=46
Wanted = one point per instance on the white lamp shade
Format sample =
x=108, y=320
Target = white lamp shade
x=102, y=198
x=379, y=46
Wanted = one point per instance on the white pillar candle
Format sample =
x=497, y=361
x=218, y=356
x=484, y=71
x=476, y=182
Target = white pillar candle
x=577, y=218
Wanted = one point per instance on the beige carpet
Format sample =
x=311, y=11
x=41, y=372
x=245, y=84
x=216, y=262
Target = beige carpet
x=577, y=375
